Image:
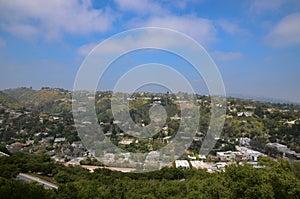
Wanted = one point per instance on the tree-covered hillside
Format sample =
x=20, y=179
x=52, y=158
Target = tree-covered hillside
x=262, y=122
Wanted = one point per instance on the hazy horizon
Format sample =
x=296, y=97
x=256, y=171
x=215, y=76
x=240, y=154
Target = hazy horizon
x=228, y=95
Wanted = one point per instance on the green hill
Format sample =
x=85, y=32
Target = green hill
x=9, y=101
x=47, y=99
x=21, y=94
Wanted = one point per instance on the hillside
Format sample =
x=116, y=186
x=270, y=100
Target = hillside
x=8, y=101
x=52, y=100
x=20, y=94
x=261, y=121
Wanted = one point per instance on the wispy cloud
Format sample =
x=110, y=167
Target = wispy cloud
x=51, y=19
x=2, y=43
x=140, y=39
x=199, y=29
x=227, y=56
x=230, y=27
x=145, y=7
x=141, y=7
x=275, y=6
x=286, y=32
x=182, y=4
x=86, y=49
x=260, y=6
x=154, y=13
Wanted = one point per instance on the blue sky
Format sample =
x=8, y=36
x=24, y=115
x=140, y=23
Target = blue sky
x=255, y=44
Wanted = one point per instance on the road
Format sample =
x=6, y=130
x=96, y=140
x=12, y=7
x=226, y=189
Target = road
x=28, y=178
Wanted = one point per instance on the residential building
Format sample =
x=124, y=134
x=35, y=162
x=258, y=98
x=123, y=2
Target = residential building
x=182, y=164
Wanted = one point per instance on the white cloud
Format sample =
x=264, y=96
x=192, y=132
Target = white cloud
x=52, y=18
x=133, y=40
x=23, y=30
x=2, y=43
x=139, y=6
x=86, y=49
x=230, y=27
x=157, y=7
x=199, y=29
x=227, y=56
x=286, y=32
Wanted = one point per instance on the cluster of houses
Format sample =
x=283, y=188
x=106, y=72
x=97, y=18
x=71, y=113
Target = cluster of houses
x=246, y=114
x=222, y=159
x=63, y=151
x=12, y=112
x=243, y=154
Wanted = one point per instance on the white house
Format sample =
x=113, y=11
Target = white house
x=182, y=163
x=60, y=139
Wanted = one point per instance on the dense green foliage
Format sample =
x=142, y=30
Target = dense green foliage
x=277, y=180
